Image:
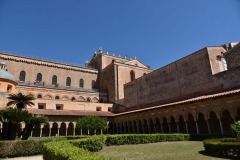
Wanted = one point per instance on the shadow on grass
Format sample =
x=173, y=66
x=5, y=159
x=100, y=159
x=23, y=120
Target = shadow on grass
x=217, y=156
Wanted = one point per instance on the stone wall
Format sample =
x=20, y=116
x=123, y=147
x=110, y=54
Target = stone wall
x=188, y=77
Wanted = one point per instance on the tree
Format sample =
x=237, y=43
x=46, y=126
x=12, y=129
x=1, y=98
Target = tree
x=236, y=128
x=91, y=122
x=20, y=100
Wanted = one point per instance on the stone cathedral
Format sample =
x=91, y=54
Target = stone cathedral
x=197, y=94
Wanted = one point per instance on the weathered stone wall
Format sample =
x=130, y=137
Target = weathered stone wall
x=32, y=67
x=188, y=77
x=233, y=57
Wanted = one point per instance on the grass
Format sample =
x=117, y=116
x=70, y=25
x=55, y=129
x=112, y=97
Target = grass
x=184, y=150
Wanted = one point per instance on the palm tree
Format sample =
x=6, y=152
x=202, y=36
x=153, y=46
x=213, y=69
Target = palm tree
x=20, y=100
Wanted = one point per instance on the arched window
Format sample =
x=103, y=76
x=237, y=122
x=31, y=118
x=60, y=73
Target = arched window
x=39, y=96
x=93, y=84
x=73, y=98
x=132, y=74
x=144, y=74
x=54, y=80
x=68, y=81
x=57, y=97
x=22, y=76
x=39, y=77
x=88, y=99
x=81, y=83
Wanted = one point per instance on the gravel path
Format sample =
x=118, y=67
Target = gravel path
x=38, y=157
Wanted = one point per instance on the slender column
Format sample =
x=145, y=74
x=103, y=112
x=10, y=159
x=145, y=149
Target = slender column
x=221, y=127
x=67, y=125
x=208, y=126
x=178, y=129
x=154, y=127
x=50, y=129
x=149, y=126
x=41, y=127
x=197, y=127
x=138, y=128
x=88, y=131
x=169, y=127
x=161, y=125
x=74, y=128
x=101, y=131
x=58, y=131
x=143, y=128
x=186, y=126
x=81, y=131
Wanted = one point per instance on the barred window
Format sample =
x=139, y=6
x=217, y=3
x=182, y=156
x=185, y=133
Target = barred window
x=81, y=83
x=39, y=77
x=68, y=81
x=22, y=76
x=54, y=80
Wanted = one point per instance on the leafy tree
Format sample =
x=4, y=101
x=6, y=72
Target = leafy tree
x=20, y=100
x=236, y=128
x=91, y=122
x=30, y=123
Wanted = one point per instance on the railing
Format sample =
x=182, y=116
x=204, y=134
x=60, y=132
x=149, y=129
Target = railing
x=54, y=86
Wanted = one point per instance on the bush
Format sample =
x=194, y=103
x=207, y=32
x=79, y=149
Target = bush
x=143, y=138
x=223, y=147
x=201, y=137
x=63, y=150
x=92, y=144
x=23, y=147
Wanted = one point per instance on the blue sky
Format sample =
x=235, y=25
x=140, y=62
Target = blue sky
x=156, y=31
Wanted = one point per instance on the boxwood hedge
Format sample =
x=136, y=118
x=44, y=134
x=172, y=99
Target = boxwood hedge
x=223, y=146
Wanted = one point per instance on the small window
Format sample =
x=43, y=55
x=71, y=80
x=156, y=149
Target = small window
x=81, y=83
x=59, y=107
x=73, y=98
x=41, y=106
x=39, y=77
x=54, y=80
x=109, y=109
x=99, y=109
x=68, y=82
x=93, y=84
x=57, y=97
x=22, y=76
x=144, y=74
x=132, y=74
x=39, y=96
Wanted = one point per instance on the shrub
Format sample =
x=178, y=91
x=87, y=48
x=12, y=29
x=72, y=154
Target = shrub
x=92, y=144
x=201, y=137
x=63, y=150
x=144, y=138
x=223, y=147
x=23, y=147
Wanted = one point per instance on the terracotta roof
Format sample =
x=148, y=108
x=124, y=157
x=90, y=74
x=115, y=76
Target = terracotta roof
x=185, y=101
x=69, y=112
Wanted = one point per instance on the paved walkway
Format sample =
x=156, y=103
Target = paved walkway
x=38, y=157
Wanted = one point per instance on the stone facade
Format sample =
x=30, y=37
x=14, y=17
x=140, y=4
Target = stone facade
x=197, y=94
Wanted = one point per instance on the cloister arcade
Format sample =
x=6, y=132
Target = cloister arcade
x=210, y=116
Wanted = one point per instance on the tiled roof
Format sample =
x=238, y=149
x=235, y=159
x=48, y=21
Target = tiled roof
x=185, y=101
x=69, y=112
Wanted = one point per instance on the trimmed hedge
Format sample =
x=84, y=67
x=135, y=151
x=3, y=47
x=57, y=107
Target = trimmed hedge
x=92, y=144
x=23, y=147
x=144, y=138
x=223, y=147
x=201, y=137
x=63, y=150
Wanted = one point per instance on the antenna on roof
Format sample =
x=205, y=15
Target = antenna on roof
x=100, y=50
x=135, y=57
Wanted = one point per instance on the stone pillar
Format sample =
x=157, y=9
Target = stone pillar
x=161, y=125
x=67, y=125
x=138, y=129
x=221, y=127
x=149, y=126
x=208, y=126
x=58, y=131
x=74, y=128
x=101, y=131
x=186, y=126
x=41, y=127
x=154, y=126
x=1, y=127
x=178, y=129
x=143, y=128
x=169, y=127
x=81, y=131
x=50, y=128
x=197, y=127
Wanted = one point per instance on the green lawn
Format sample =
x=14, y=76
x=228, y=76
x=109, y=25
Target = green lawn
x=184, y=150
